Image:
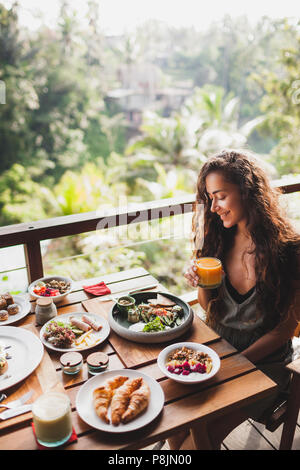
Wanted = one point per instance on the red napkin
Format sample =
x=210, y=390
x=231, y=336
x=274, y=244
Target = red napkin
x=98, y=289
x=73, y=438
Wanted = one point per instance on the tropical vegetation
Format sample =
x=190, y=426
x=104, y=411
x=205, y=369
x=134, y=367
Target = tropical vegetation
x=66, y=148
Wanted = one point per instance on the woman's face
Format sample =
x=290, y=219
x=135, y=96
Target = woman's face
x=226, y=200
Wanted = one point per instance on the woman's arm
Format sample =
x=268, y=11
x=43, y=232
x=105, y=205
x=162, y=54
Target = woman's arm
x=277, y=337
x=204, y=296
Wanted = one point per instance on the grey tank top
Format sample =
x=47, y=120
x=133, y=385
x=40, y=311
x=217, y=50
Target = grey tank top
x=240, y=324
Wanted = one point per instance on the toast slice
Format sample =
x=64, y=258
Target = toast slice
x=161, y=301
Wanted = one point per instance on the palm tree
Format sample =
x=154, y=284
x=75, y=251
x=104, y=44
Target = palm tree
x=169, y=183
x=171, y=141
x=207, y=122
x=219, y=117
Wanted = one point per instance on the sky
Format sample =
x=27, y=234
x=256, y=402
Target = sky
x=118, y=16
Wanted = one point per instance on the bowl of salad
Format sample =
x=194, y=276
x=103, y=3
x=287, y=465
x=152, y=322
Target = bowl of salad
x=56, y=287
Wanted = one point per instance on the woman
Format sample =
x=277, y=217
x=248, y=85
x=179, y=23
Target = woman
x=257, y=306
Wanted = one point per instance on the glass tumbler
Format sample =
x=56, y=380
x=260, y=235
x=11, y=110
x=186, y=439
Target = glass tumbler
x=209, y=271
x=52, y=419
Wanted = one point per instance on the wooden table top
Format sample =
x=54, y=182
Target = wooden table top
x=236, y=384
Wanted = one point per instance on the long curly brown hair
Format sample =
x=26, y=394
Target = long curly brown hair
x=276, y=242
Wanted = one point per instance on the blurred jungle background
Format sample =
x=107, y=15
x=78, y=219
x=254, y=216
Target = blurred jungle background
x=91, y=119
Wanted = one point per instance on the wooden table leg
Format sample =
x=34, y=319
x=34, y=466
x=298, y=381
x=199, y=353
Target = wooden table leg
x=201, y=437
x=291, y=414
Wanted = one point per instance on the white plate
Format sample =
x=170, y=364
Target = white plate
x=25, y=308
x=97, y=335
x=85, y=408
x=26, y=352
x=193, y=377
x=120, y=325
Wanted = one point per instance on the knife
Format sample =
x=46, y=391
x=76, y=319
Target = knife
x=120, y=294
x=139, y=289
x=15, y=412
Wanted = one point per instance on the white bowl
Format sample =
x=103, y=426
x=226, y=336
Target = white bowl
x=193, y=377
x=55, y=298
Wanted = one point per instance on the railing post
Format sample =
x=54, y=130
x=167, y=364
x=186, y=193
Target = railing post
x=34, y=261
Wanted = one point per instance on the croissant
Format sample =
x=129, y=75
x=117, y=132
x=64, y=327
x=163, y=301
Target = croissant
x=116, y=382
x=102, y=396
x=121, y=399
x=138, y=402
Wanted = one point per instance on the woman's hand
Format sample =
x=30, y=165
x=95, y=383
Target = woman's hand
x=191, y=275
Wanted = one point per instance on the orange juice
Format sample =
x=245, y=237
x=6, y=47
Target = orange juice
x=209, y=271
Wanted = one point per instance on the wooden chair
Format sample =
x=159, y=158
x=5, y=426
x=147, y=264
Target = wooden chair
x=287, y=411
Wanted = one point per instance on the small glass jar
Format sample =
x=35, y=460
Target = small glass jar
x=97, y=362
x=133, y=315
x=45, y=310
x=71, y=362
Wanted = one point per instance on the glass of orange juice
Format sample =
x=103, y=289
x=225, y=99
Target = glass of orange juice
x=209, y=271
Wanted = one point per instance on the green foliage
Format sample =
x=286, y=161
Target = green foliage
x=167, y=138
x=207, y=122
x=94, y=187
x=21, y=98
x=88, y=190
x=168, y=183
x=281, y=105
x=55, y=118
x=21, y=199
x=226, y=54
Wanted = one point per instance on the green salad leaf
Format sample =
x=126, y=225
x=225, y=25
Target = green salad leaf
x=75, y=330
x=154, y=325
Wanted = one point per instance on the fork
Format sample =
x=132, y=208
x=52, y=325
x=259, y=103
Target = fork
x=20, y=401
x=110, y=297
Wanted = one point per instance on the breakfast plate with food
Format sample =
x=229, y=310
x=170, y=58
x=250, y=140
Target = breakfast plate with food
x=20, y=353
x=150, y=317
x=74, y=331
x=188, y=362
x=120, y=401
x=13, y=308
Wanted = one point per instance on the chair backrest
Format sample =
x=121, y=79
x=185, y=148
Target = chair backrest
x=293, y=406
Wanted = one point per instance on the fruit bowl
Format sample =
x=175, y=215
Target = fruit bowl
x=36, y=287
x=190, y=377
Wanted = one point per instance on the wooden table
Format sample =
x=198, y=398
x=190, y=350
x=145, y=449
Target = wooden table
x=237, y=383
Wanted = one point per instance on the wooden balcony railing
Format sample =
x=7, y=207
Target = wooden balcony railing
x=31, y=234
